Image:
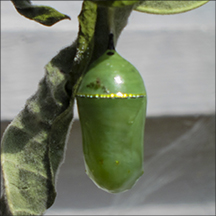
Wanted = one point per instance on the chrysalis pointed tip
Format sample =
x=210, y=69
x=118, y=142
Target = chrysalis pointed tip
x=111, y=42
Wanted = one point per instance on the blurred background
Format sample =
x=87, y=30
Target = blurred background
x=175, y=55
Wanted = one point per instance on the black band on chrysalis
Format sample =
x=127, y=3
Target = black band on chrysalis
x=111, y=44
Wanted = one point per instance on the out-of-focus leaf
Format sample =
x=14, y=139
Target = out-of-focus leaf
x=115, y=3
x=42, y=14
x=33, y=145
x=167, y=7
x=28, y=183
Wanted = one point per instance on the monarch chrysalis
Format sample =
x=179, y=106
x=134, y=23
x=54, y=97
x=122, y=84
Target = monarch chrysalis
x=112, y=107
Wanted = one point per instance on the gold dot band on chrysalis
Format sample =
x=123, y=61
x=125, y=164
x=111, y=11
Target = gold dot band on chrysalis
x=112, y=95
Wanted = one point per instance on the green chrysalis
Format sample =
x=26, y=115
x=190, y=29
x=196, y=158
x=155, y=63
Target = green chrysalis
x=112, y=108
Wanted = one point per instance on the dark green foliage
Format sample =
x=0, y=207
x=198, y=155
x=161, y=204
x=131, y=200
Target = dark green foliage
x=42, y=14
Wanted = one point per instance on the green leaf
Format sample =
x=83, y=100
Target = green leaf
x=73, y=64
x=167, y=7
x=115, y=3
x=42, y=14
x=28, y=181
x=33, y=145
